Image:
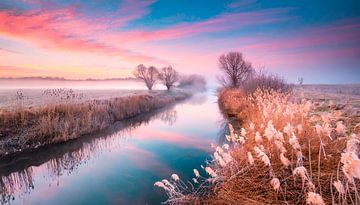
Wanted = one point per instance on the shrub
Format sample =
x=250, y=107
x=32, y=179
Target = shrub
x=232, y=105
x=265, y=81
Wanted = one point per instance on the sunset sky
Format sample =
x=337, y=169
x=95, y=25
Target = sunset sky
x=316, y=40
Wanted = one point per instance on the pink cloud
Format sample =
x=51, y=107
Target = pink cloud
x=68, y=30
x=219, y=23
x=13, y=71
x=320, y=57
x=323, y=36
x=335, y=43
x=64, y=29
x=308, y=46
x=131, y=10
x=4, y=51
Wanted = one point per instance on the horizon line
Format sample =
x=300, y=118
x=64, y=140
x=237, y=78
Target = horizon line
x=65, y=79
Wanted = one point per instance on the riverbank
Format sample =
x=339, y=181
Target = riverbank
x=120, y=161
x=29, y=127
x=344, y=99
x=281, y=149
x=298, y=144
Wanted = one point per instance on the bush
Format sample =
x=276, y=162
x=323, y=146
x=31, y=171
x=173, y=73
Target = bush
x=265, y=81
x=232, y=105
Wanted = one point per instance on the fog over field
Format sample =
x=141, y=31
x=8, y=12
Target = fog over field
x=34, y=83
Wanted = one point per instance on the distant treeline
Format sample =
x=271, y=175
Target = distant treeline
x=65, y=79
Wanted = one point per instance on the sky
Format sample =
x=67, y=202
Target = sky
x=316, y=40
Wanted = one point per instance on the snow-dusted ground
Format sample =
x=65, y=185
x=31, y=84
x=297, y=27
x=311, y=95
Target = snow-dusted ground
x=340, y=94
x=39, y=92
x=348, y=89
x=9, y=99
x=344, y=99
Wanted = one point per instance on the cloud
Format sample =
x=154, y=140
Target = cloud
x=220, y=23
x=336, y=42
x=130, y=10
x=14, y=71
x=64, y=29
x=70, y=30
x=312, y=38
x=5, y=51
x=241, y=4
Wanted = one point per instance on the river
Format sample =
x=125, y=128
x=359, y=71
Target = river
x=118, y=165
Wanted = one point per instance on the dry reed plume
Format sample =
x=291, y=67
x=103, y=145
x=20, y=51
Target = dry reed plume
x=282, y=152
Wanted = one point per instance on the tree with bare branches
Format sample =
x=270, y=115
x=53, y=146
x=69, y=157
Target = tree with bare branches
x=169, y=76
x=148, y=75
x=236, y=69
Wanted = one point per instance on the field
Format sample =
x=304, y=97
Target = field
x=344, y=89
x=33, y=118
x=11, y=99
x=343, y=98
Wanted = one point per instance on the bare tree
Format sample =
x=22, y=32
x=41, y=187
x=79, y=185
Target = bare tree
x=148, y=75
x=236, y=69
x=169, y=76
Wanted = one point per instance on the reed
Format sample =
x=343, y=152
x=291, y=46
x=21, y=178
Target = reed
x=26, y=128
x=281, y=151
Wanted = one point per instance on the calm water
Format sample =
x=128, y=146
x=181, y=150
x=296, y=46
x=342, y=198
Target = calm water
x=118, y=165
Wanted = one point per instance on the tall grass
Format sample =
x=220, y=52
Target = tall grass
x=280, y=152
x=28, y=128
x=17, y=176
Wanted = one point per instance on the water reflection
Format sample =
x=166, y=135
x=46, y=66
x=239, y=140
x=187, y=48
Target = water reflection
x=223, y=130
x=17, y=181
x=17, y=171
x=118, y=165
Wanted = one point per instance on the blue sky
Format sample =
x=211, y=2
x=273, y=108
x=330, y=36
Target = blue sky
x=317, y=40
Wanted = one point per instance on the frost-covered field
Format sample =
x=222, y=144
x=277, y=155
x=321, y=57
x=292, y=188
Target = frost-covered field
x=33, y=118
x=340, y=95
x=343, y=89
x=343, y=98
x=39, y=92
x=13, y=98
